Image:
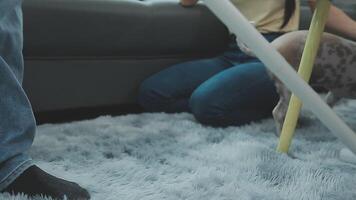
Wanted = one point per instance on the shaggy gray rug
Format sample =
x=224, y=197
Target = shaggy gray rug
x=166, y=156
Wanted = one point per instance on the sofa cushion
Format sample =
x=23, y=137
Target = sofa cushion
x=125, y=28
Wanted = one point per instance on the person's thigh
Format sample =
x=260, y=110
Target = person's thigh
x=169, y=90
x=235, y=96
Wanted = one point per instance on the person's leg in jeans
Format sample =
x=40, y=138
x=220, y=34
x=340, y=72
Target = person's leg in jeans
x=169, y=90
x=17, y=124
x=236, y=96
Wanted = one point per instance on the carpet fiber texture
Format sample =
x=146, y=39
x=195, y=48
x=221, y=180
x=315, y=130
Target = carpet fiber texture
x=170, y=156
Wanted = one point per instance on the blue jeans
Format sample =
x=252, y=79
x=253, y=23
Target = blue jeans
x=230, y=89
x=17, y=124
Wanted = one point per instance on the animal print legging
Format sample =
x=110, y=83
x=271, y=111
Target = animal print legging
x=334, y=68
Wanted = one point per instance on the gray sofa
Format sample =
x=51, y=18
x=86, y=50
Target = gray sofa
x=88, y=54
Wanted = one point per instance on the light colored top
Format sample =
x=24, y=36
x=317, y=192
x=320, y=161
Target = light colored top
x=268, y=15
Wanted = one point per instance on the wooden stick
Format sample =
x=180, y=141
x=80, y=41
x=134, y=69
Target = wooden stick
x=312, y=44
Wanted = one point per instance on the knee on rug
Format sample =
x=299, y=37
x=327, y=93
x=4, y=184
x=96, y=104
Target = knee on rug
x=209, y=110
x=150, y=97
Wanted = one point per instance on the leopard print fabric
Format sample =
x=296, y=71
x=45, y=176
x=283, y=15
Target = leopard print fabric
x=334, y=68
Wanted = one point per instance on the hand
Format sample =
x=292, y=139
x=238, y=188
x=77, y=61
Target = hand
x=243, y=47
x=188, y=3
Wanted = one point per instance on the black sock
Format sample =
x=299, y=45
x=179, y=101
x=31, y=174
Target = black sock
x=35, y=181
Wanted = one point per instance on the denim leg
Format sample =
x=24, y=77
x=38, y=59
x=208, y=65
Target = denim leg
x=17, y=124
x=169, y=90
x=235, y=96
